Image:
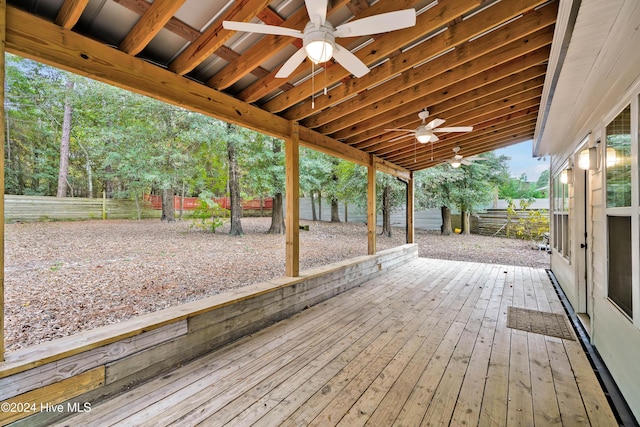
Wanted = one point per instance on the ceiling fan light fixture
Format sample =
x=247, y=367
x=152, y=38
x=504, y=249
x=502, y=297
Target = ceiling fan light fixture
x=456, y=164
x=423, y=135
x=319, y=44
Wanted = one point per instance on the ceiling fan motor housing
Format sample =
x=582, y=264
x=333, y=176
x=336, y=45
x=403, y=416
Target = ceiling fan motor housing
x=319, y=42
x=423, y=134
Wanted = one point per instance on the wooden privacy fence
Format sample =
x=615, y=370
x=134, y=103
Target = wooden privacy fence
x=496, y=222
x=192, y=203
x=45, y=208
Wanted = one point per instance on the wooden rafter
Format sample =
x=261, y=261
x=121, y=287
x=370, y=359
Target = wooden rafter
x=33, y=37
x=457, y=37
x=502, y=92
x=264, y=49
x=154, y=19
x=215, y=36
x=477, y=145
x=468, y=76
x=472, y=62
x=70, y=13
x=382, y=46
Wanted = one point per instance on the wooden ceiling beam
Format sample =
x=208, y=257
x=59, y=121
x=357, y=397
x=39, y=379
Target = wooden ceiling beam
x=494, y=145
x=264, y=87
x=266, y=47
x=174, y=25
x=397, y=148
x=523, y=127
x=187, y=32
x=486, y=128
x=480, y=122
x=498, y=141
x=147, y=27
x=469, y=141
x=215, y=36
x=455, y=37
x=425, y=159
x=426, y=23
x=508, y=59
x=35, y=38
x=70, y=13
x=372, y=131
x=453, y=108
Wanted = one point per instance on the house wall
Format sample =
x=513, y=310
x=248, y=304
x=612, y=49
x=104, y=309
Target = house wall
x=615, y=335
x=48, y=381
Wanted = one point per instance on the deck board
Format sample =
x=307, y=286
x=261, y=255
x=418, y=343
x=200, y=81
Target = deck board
x=424, y=344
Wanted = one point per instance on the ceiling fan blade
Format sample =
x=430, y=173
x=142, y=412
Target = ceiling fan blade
x=455, y=129
x=291, y=64
x=474, y=158
x=465, y=162
x=435, y=123
x=317, y=10
x=377, y=24
x=434, y=138
x=348, y=60
x=400, y=130
x=250, y=27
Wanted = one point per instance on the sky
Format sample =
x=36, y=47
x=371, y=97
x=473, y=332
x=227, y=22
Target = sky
x=523, y=162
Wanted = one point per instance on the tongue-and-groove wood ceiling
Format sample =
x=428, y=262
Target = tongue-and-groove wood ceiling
x=477, y=63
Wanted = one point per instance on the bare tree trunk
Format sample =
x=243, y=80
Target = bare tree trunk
x=320, y=205
x=168, y=207
x=386, y=211
x=234, y=190
x=346, y=211
x=445, y=229
x=277, y=217
x=313, y=208
x=335, y=213
x=465, y=226
x=63, y=172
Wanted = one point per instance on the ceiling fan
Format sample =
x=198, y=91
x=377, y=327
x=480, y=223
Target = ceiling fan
x=426, y=131
x=318, y=36
x=458, y=159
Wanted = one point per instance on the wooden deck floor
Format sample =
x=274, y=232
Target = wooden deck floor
x=426, y=344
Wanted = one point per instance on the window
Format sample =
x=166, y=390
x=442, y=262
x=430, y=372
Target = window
x=618, y=159
x=619, y=210
x=561, y=216
x=620, y=262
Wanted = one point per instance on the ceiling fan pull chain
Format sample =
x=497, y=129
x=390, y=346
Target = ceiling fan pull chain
x=325, y=68
x=313, y=86
x=432, y=151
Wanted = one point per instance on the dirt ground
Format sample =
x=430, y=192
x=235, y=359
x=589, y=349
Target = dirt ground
x=65, y=277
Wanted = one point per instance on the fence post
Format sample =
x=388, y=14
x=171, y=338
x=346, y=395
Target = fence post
x=104, y=205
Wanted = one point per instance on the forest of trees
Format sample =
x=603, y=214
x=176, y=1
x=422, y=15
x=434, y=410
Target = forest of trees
x=69, y=136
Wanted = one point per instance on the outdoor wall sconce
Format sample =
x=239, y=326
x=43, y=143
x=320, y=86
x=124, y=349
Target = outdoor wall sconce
x=588, y=159
x=566, y=176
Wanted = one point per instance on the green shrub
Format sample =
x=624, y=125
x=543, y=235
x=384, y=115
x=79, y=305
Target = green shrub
x=532, y=226
x=209, y=216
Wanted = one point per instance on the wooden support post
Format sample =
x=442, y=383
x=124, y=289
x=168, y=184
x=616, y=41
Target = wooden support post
x=410, y=210
x=371, y=207
x=292, y=168
x=3, y=26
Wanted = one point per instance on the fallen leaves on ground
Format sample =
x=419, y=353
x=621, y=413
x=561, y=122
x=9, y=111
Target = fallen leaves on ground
x=65, y=277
